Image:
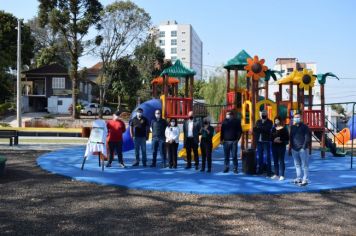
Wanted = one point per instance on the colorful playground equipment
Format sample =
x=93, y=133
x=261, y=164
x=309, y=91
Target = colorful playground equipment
x=247, y=96
x=249, y=100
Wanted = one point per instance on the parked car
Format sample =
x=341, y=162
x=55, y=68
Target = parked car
x=93, y=108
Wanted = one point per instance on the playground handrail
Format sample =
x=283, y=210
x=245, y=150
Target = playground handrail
x=335, y=137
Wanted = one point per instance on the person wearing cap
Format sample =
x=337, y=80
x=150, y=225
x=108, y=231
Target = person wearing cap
x=230, y=135
x=116, y=127
x=299, y=142
x=262, y=132
x=158, y=127
x=139, y=130
x=206, y=144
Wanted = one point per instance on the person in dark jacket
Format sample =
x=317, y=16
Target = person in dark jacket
x=280, y=139
x=191, y=129
x=158, y=127
x=139, y=130
x=262, y=133
x=231, y=131
x=299, y=141
x=206, y=144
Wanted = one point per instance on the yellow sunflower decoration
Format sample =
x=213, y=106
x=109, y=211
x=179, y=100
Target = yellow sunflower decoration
x=306, y=79
x=256, y=68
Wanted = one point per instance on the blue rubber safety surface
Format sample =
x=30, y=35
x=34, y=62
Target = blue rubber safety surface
x=325, y=174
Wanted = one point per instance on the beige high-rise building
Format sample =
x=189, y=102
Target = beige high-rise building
x=180, y=41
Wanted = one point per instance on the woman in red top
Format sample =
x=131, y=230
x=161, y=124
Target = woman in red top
x=116, y=128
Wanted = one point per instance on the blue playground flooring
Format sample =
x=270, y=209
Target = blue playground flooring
x=325, y=174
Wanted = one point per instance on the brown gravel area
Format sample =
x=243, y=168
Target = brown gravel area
x=34, y=202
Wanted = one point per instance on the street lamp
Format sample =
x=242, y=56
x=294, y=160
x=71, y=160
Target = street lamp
x=18, y=104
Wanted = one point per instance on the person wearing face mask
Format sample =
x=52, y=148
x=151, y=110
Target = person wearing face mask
x=172, y=141
x=116, y=128
x=230, y=135
x=280, y=139
x=139, y=130
x=191, y=129
x=262, y=133
x=299, y=141
x=158, y=127
x=206, y=144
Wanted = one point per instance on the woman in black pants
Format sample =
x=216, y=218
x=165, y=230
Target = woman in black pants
x=172, y=141
x=280, y=139
x=206, y=144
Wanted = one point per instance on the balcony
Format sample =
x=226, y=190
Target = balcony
x=314, y=119
x=178, y=107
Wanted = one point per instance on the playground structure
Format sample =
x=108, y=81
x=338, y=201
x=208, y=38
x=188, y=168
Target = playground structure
x=250, y=100
x=247, y=96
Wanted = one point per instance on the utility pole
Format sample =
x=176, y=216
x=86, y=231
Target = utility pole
x=19, y=93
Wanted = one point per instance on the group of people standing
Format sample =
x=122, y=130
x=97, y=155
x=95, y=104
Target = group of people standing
x=275, y=135
x=269, y=136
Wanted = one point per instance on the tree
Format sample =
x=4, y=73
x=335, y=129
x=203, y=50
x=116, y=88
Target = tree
x=72, y=20
x=150, y=62
x=339, y=109
x=149, y=59
x=8, y=51
x=123, y=26
x=49, y=46
x=125, y=80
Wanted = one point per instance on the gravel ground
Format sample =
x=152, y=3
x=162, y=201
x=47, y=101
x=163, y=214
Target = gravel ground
x=34, y=202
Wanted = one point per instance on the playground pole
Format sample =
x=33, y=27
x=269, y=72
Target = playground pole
x=322, y=101
x=352, y=131
x=252, y=112
x=227, y=86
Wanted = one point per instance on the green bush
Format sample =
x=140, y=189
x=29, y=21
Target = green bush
x=49, y=116
x=5, y=107
x=3, y=124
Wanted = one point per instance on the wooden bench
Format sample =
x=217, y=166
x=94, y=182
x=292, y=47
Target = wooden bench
x=12, y=135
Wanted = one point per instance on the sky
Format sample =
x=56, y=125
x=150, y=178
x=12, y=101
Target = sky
x=320, y=31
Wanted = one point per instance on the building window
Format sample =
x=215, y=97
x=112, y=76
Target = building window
x=183, y=49
x=173, y=50
x=174, y=33
x=174, y=42
x=183, y=41
x=60, y=102
x=161, y=34
x=183, y=32
x=161, y=42
x=173, y=58
x=58, y=83
x=183, y=58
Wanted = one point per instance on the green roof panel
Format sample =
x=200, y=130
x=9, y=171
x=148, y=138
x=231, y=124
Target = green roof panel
x=239, y=61
x=178, y=70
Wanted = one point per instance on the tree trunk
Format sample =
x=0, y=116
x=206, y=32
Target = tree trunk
x=74, y=77
x=101, y=101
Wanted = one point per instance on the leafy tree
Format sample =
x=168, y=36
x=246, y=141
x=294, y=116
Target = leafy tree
x=123, y=26
x=8, y=51
x=339, y=109
x=49, y=46
x=149, y=59
x=125, y=80
x=72, y=20
x=214, y=91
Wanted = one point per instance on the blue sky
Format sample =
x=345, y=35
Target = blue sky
x=321, y=31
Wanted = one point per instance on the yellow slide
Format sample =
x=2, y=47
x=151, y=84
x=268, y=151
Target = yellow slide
x=216, y=143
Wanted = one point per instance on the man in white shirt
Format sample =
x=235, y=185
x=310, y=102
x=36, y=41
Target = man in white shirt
x=191, y=129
